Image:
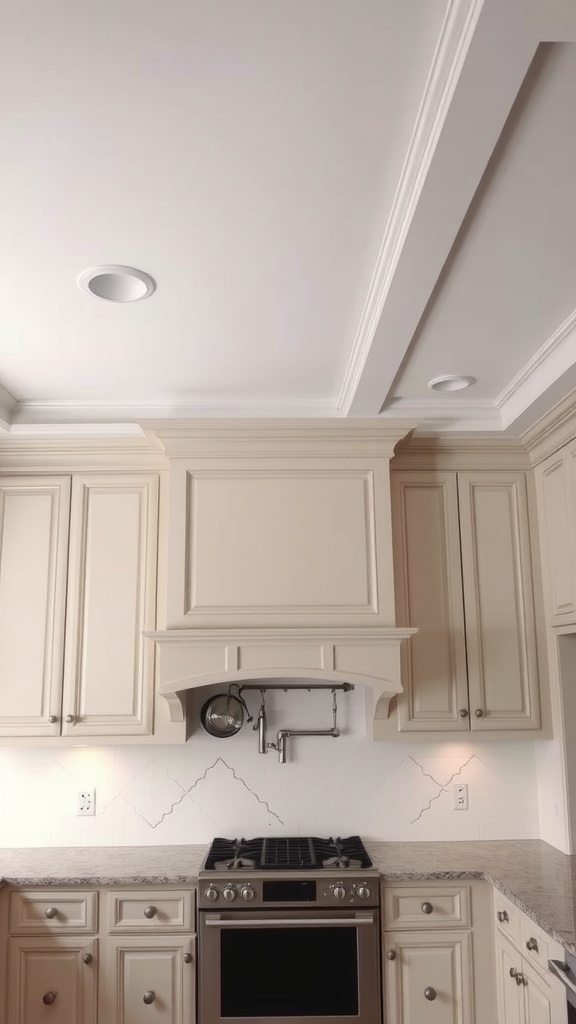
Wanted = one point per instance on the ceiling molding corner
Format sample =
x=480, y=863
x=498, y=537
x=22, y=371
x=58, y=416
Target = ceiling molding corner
x=455, y=37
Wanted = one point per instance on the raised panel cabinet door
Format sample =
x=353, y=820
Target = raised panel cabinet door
x=556, y=493
x=428, y=979
x=498, y=601
x=544, y=1002
x=510, y=991
x=109, y=664
x=51, y=981
x=34, y=514
x=428, y=581
x=148, y=980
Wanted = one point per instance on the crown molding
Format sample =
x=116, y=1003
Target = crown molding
x=554, y=358
x=555, y=429
x=455, y=36
x=7, y=406
x=448, y=415
x=81, y=454
x=460, y=452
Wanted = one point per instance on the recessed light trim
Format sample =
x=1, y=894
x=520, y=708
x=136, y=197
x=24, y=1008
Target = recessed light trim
x=450, y=382
x=116, y=283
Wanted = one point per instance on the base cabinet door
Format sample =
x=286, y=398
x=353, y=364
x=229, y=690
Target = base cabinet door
x=543, y=1003
x=147, y=980
x=510, y=992
x=428, y=978
x=51, y=980
x=525, y=995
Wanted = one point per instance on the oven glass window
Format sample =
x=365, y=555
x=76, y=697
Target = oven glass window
x=289, y=972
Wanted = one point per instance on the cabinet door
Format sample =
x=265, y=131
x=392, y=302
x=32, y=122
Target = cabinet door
x=148, y=979
x=556, y=489
x=510, y=993
x=429, y=979
x=428, y=579
x=34, y=515
x=498, y=601
x=544, y=1002
x=49, y=981
x=109, y=666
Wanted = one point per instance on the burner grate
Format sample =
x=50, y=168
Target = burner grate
x=288, y=853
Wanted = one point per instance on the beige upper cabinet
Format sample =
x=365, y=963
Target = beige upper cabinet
x=556, y=490
x=77, y=590
x=463, y=576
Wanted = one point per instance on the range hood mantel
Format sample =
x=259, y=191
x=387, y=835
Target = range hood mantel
x=192, y=658
x=280, y=557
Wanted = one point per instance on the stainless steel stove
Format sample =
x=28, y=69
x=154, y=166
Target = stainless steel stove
x=289, y=931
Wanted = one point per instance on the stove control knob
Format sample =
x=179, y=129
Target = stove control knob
x=247, y=893
x=211, y=893
x=229, y=893
x=363, y=892
x=339, y=892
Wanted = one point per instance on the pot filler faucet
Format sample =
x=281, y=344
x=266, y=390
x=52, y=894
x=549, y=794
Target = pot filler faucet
x=283, y=734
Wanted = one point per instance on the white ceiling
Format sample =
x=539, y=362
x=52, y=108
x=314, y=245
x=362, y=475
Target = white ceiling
x=338, y=200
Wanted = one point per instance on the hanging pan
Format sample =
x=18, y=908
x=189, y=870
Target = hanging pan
x=223, y=715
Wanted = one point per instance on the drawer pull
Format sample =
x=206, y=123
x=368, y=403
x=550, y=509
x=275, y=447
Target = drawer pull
x=48, y=998
x=87, y=958
x=427, y=908
x=502, y=915
x=391, y=954
x=188, y=958
x=148, y=998
x=532, y=944
x=150, y=912
x=50, y=912
x=430, y=993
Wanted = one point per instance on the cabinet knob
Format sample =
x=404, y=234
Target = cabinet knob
x=70, y=719
x=391, y=954
x=463, y=712
x=149, y=997
x=150, y=912
x=52, y=719
x=532, y=944
x=479, y=713
x=49, y=998
x=427, y=908
x=502, y=915
x=50, y=912
x=430, y=993
x=516, y=975
x=87, y=958
x=188, y=958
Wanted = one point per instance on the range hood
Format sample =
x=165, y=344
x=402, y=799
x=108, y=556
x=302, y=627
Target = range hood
x=279, y=558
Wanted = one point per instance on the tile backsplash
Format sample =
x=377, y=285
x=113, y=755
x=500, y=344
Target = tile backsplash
x=207, y=787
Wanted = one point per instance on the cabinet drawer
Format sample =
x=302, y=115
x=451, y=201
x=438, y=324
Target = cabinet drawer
x=535, y=945
x=426, y=906
x=37, y=912
x=507, y=917
x=150, y=911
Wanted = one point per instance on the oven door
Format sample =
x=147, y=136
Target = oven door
x=289, y=966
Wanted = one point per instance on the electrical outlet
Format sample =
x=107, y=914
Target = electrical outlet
x=86, y=801
x=460, y=797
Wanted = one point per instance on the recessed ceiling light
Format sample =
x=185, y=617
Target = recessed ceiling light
x=450, y=382
x=116, y=283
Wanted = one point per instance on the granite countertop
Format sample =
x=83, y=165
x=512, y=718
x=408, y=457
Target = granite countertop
x=539, y=879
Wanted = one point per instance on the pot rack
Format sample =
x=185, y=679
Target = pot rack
x=282, y=736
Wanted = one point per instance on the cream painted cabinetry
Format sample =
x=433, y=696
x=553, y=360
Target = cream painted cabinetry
x=463, y=575
x=77, y=589
x=527, y=992
x=556, y=489
x=87, y=957
x=51, y=964
x=436, y=968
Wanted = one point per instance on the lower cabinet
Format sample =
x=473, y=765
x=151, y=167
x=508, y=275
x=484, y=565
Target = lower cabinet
x=527, y=992
x=52, y=980
x=437, y=953
x=108, y=957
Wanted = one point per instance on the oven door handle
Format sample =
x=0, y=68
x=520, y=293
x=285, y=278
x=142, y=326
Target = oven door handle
x=559, y=969
x=213, y=921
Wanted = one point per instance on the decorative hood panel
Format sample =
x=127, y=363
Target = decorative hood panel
x=280, y=557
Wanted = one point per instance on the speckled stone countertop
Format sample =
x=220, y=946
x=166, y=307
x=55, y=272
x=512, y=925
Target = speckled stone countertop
x=536, y=877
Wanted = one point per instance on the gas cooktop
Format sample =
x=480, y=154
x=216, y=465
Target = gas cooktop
x=300, y=853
